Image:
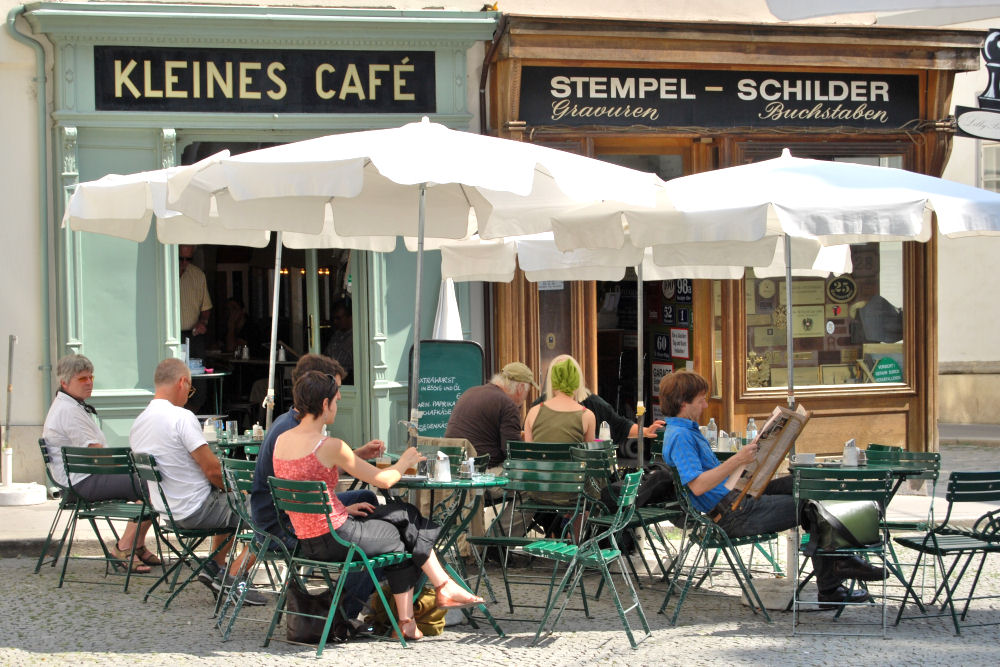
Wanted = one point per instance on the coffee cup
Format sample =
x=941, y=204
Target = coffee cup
x=804, y=458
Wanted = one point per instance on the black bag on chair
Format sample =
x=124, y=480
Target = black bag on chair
x=835, y=525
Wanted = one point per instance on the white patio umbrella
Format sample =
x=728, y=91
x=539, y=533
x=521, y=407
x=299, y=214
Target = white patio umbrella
x=420, y=180
x=124, y=206
x=540, y=259
x=831, y=202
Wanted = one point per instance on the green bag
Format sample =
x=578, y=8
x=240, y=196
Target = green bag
x=835, y=525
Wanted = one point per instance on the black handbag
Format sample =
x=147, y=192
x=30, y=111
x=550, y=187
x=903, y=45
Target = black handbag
x=308, y=630
x=836, y=525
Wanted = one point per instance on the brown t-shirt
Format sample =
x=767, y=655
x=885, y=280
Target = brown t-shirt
x=487, y=418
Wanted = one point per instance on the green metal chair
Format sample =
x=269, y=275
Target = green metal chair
x=102, y=461
x=262, y=547
x=540, y=451
x=920, y=466
x=602, y=471
x=67, y=503
x=188, y=539
x=311, y=497
x=705, y=536
x=961, y=545
x=590, y=555
x=535, y=477
x=831, y=485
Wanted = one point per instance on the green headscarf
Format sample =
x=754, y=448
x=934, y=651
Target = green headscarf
x=565, y=377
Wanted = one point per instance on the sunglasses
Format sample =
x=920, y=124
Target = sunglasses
x=334, y=386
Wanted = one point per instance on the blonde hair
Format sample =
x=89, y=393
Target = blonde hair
x=581, y=392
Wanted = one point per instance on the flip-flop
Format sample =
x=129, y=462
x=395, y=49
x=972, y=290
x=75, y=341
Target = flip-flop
x=147, y=556
x=126, y=559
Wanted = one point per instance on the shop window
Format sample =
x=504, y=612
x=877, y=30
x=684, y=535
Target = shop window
x=845, y=329
x=991, y=166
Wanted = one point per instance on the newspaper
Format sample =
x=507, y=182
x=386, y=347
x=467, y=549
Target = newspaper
x=774, y=442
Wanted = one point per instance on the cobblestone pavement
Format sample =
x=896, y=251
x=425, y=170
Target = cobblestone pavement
x=84, y=624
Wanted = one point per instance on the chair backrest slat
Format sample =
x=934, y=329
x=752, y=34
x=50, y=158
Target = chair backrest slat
x=833, y=484
x=979, y=486
x=97, y=460
x=541, y=451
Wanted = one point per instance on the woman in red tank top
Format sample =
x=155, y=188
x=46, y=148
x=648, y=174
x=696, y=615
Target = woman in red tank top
x=304, y=453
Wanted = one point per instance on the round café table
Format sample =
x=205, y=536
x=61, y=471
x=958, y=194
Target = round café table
x=454, y=514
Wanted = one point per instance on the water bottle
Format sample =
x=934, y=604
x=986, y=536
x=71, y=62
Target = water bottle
x=713, y=434
x=605, y=432
x=751, y=430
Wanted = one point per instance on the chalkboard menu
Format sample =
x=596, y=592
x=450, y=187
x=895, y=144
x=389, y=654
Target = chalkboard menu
x=447, y=368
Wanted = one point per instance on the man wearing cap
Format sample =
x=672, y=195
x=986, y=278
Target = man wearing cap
x=490, y=415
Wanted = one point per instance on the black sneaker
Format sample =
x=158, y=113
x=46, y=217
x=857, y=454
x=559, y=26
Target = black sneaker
x=209, y=575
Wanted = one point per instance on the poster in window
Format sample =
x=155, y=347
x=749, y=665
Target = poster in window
x=679, y=347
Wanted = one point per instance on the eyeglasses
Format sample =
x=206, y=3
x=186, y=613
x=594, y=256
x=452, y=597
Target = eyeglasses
x=185, y=259
x=334, y=386
x=191, y=389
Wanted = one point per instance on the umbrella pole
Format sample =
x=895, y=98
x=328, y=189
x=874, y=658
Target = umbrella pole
x=269, y=399
x=640, y=406
x=415, y=371
x=789, y=363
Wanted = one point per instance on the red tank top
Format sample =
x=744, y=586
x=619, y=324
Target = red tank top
x=309, y=468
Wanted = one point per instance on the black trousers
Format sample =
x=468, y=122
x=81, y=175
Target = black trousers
x=391, y=527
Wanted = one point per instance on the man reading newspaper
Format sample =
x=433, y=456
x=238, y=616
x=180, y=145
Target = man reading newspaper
x=712, y=487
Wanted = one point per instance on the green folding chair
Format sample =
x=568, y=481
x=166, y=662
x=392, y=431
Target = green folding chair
x=102, y=461
x=309, y=497
x=947, y=540
x=602, y=471
x=564, y=477
x=67, y=503
x=589, y=555
x=830, y=485
x=262, y=547
x=188, y=539
x=705, y=536
x=540, y=451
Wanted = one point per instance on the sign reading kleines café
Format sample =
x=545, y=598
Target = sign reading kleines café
x=713, y=98
x=255, y=80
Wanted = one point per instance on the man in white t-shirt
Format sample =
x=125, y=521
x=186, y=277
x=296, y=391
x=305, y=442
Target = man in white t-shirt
x=71, y=422
x=192, y=475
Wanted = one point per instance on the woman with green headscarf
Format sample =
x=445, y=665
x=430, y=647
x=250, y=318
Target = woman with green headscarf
x=561, y=418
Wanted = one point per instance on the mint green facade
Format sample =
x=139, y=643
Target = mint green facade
x=117, y=300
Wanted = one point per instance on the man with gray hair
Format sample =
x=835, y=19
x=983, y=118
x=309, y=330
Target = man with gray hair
x=72, y=422
x=192, y=474
x=490, y=415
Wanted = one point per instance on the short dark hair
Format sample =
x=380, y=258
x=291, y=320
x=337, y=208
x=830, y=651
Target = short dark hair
x=311, y=389
x=317, y=362
x=678, y=388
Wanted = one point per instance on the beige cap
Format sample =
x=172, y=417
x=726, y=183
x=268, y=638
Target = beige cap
x=518, y=372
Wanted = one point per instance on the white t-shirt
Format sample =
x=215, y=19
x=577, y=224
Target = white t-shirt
x=68, y=425
x=170, y=434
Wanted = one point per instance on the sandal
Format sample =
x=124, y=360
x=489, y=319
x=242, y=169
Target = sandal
x=447, y=602
x=147, y=556
x=124, y=559
x=405, y=623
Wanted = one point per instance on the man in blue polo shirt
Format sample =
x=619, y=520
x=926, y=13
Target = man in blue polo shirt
x=711, y=485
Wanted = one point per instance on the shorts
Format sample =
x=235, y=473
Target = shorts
x=215, y=512
x=108, y=487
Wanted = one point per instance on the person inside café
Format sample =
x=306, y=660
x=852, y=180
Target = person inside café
x=72, y=422
x=683, y=398
x=305, y=453
x=359, y=502
x=622, y=428
x=192, y=474
x=196, y=303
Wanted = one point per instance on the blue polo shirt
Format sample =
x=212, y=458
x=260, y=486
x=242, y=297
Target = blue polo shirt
x=685, y=448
